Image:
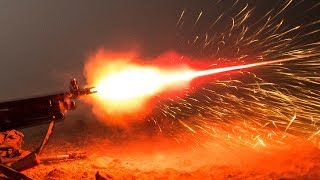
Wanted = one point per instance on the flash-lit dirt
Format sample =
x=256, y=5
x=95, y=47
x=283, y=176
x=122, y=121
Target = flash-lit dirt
x=129, y=156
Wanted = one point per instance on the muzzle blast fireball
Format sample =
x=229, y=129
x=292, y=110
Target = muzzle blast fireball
x=127, y=88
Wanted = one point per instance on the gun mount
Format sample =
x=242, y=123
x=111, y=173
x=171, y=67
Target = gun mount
x=34, y=111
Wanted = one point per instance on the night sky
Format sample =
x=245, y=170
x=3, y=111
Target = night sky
x=45, y=43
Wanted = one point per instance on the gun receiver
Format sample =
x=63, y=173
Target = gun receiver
x=34, y=111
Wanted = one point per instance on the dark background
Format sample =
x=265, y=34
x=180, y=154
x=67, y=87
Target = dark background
x=45, y=43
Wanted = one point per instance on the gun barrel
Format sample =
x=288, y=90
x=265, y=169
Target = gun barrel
x=35, y=111
x=82, y=92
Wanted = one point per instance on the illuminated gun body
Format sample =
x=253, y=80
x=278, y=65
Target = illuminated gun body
x=34, y=111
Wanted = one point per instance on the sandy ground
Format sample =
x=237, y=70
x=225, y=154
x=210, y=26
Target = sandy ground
x=169, y=166
x=157, y=158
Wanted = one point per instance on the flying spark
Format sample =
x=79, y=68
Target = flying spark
x=256, y=107
x=128, y=87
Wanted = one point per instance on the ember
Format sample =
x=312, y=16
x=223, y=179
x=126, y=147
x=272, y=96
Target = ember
x=126, y=85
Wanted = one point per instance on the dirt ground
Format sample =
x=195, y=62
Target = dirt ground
x=179, y=167
x=156, y=158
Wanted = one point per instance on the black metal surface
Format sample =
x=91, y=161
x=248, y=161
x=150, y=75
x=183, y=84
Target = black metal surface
x=38, y=110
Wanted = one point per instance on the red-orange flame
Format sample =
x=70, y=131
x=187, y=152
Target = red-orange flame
x=126, y=85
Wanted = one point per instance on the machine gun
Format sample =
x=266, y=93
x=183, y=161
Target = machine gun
x=34, y=111
x=31, y=112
